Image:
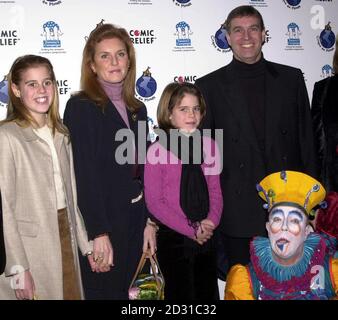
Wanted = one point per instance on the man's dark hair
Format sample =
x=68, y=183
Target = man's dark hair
x=243, y=11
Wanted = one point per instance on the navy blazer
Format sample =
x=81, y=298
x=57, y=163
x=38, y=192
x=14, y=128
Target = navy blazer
x=105, y=187
x=288, y=140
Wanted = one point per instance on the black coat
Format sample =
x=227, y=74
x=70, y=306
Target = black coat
x=324, y=111
x=2, y=243
x=288, y=140
x=105, y=189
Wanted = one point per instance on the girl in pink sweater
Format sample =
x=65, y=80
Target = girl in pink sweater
x=182, y=192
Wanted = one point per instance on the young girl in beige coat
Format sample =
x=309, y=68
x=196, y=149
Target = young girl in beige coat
x=42, y=225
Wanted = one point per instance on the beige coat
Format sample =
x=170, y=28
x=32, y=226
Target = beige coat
x=30, y=221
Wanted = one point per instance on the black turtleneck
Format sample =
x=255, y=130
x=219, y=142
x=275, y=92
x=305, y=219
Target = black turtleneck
x=251, y=82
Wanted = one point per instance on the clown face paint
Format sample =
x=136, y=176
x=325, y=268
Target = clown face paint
x=287, y=229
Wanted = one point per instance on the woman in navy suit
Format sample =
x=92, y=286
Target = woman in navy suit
x=109, y=176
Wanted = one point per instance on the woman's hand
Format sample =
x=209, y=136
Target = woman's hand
x=149, y=238
x=208, y=224
x=25, y=292
x=204, y=231
x=102, y=254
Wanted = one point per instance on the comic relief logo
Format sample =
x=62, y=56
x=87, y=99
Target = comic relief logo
x=51, y=34
x=146, y=86
x=4, y=92
x=182, y=3
x=142, y=36
x=293, y=41
x=327, y=71
x=63, y=87
x=8, y=37
x=327, y=38
x=183, y=33
x=219, y=40
x=293, y=4
x=51, y=2
x=258, y=3
x=181, y=79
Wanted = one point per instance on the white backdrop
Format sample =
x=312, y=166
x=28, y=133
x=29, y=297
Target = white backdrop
x=57, y=30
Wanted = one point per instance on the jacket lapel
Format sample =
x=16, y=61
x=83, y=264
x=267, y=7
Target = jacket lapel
x=28, y=133
x=133, y=123
x=116, y=117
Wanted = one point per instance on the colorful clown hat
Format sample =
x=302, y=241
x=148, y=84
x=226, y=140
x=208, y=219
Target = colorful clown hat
x=291, y=188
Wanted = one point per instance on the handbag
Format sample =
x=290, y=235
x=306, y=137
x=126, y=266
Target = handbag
x=147, y=286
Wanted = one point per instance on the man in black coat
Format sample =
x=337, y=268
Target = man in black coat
x=2, y=244
x=264, y=112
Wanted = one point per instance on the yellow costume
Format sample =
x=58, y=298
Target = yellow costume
x=314, y=275
x=239, y=284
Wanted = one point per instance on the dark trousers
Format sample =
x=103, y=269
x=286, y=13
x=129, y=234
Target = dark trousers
x=189, y=271
x=231, y=251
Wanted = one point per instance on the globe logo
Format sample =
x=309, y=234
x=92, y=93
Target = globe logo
x=4, y=91
x=327, y=38
x=293, y=2
x=146, y=85
x=327, y=71
x=183, y=1
x=220, y=38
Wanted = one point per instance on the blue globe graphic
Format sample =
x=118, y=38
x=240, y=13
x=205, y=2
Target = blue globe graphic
x=4, y=92
x=327, y=38
x=146, y=86
x=294, y=2
x=183, y=1
x=221, y=40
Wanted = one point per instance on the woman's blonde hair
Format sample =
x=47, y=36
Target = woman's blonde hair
x=172, y=95
x=89, y=83
x=16, y=110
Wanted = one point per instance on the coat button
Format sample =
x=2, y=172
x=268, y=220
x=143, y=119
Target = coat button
x=241, y=166
x=239, y=192
x=284, y=132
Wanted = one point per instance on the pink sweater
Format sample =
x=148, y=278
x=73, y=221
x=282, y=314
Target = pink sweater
x=162, y=186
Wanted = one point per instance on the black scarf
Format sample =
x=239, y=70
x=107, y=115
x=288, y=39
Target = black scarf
x=194, y=194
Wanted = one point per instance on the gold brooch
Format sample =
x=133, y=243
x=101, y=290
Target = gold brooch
x=134, y=116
